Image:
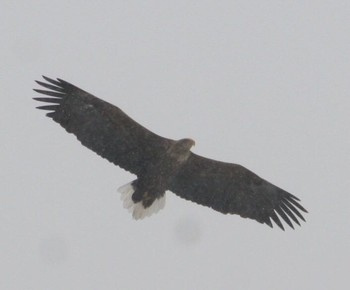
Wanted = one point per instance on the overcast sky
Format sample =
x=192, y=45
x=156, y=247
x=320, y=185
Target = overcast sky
x=265, y=84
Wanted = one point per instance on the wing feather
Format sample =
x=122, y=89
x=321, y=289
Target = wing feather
x=101, y=127
x=51, y=87
x=49, y=100
x=232, y=189
x=289, y=213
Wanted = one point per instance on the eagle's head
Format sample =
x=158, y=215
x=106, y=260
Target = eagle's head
x=186, y=143
x=181, y=149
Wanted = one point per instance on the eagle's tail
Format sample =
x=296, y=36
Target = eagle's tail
x=138, y=210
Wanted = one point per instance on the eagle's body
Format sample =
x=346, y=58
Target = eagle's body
x=162, y=164
x=152, y=184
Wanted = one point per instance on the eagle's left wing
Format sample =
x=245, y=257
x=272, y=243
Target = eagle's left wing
x=231, y=188
x=101, y=126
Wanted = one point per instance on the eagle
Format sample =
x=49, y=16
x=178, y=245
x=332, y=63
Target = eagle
x=162, y=164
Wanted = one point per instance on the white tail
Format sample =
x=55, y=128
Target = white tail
x=137, y=209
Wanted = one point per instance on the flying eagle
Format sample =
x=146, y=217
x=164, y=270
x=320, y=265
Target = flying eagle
x=162, y=164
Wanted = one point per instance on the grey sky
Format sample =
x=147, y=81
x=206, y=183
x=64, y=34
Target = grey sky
x=261, y=83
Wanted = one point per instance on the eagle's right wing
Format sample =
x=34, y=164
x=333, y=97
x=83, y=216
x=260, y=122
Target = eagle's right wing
x=231, y=188
x=100, y=126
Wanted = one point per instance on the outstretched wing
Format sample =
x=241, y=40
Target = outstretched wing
x=100, y=126
x=231, y=188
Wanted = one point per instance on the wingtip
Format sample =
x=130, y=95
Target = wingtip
x=269, y=223
x=293, y=196
x=46, y=78
x=52, y=81
x=48, y=107
x=275, y=218
x=63, y=82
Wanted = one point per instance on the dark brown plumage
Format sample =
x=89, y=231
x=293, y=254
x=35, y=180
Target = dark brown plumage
x=163, y=164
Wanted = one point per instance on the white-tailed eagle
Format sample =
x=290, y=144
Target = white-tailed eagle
x=163, y=164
